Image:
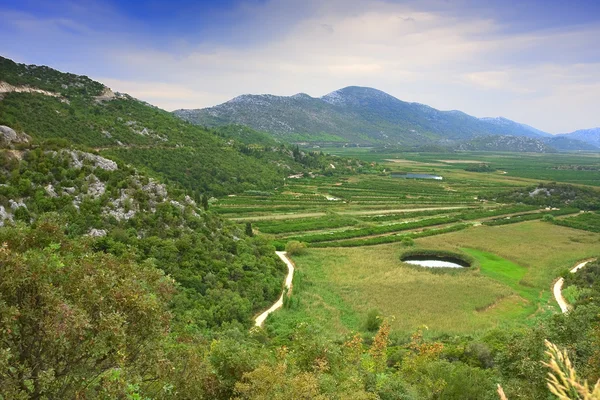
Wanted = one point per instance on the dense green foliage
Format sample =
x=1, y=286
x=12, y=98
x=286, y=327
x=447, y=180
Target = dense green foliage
x=586, y=221
x=225, y=275
x=555, y=195
x=480, y=168
x=69, y=315
x=550, y=214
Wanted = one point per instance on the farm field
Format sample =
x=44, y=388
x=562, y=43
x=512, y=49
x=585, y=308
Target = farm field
x=580, y=168
x=515, y=267
x=357, y=227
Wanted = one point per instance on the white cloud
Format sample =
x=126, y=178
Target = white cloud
x=543, y=78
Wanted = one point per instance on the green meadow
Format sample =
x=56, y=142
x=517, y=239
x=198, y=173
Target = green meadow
x=509, y=283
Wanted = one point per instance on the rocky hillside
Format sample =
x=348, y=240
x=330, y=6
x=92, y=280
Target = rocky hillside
x=512, y=126
x=122, y=211
x=356, y=115
x=506, y=143
x=361, y=115
x=569, y=142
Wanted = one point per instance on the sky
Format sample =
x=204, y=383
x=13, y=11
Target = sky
x=532, y=61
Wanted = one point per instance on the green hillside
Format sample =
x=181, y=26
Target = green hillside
x=82, y=112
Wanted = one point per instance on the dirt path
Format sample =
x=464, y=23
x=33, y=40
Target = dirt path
x=562, y=303
x=259, y=321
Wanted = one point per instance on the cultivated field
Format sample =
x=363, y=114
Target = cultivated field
x=357, y=228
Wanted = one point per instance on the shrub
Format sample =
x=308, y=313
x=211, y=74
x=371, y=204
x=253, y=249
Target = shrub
x=407, y=241
x=295, y=248
x=548, y=217
x=373, y=321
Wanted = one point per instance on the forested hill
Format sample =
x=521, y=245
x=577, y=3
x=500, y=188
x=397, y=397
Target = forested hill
x=225, y=275
x=50, y=105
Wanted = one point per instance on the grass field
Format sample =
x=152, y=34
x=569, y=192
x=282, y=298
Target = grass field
x=511, y=285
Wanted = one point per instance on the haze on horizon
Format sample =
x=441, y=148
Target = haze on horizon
x=536, y=62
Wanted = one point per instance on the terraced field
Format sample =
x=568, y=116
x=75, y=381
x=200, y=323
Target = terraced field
x=375, y=209
x=357, y=228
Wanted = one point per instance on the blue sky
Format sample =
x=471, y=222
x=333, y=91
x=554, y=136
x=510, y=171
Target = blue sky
x=533, y=61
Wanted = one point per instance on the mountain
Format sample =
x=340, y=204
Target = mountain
x=354, y=114
x=566, y=142
x=590, y=136
x=523, y=129
x=506, y=143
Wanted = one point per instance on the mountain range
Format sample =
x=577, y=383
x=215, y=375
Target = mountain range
x=367, y=116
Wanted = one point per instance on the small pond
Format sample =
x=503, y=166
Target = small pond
x=436, y=262
x=417, y=176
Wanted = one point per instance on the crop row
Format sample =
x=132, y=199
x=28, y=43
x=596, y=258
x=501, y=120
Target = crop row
x=405, y=215
x=375, y=230
x=245, y=210
x=486, y=213
x=529, y=217
x=305, y=224
x=391, y=239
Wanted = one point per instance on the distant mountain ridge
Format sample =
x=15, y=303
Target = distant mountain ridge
x=591, y=136
x=360, y=115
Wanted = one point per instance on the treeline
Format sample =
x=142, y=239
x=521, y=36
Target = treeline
x=45, y=78
x=375, y=230
x=480, y=168
x=588, y=221
x=305, y=224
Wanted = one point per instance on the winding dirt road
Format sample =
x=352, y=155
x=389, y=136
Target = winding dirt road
x=259, y=321
x=562, y=303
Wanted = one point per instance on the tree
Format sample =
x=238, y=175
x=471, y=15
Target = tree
x=249, y=231
x=205, y=202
